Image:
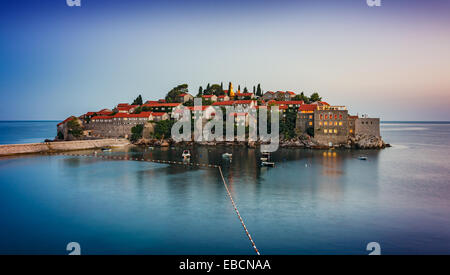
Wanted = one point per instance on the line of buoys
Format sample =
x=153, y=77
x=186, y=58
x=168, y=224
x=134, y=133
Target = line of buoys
x=237, y=212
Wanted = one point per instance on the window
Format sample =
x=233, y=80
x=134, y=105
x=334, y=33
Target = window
x=310, y=116
x=325, y=131
x=335, y=131
x=351, y=130
x=321, y=116
x=335, y=123
x=310, y=123
x=326, y=122
x=340, y=123
x=320, y=123
x=326, y=117
x=340, y=116
x=335, y=116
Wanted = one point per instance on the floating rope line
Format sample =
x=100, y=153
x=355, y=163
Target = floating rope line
x=179, y=163
x=237, y=212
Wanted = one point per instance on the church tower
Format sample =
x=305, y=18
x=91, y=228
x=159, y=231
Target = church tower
x=231, y=90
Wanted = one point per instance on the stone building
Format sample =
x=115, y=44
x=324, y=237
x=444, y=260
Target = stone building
x=184, y=97
x=351, y=125
x=269, y=95
x=305, y=118
x=119, y=125
x=331, y=126
x=367, y=126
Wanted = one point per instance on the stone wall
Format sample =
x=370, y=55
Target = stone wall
x=112, y=129
x=331, y=126
x=367, y=126
x=31, y=148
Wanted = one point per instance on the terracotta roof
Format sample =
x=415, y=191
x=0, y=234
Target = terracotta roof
x=287, y=102
x=307, y=107
x=233, y=102
x=353, y=117
x=207, y=96
x=291, y=93
x=158, y=113
x=161, y=105
x=122, y=104
x=222, y=96
x=244, y=94
x=66, y=120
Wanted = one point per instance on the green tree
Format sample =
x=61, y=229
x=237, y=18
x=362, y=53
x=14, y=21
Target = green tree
x=254, y=90
x=200, y=91
x=245, y=90
x=163, y=129
x=137, y=101
x=136, y=132
x=302, y=97
x=74, y=128
x=315, y=97
x=258, y=90
x=173, y=94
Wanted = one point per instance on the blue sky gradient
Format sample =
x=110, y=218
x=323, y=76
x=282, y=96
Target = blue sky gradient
x=391, y=61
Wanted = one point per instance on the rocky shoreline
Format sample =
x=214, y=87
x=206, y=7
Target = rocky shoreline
x=358, y=142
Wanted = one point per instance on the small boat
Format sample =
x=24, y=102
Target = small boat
x=268, y=163
x=106, y=149
x=264, y=159
x=227, y=155
x=186, y=154
x=362, y=158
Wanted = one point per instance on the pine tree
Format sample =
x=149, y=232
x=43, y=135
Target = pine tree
x=254, y=90
x=258, y=90
x=245, y=90
x=200, y=91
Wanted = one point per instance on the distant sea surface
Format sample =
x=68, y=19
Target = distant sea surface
x=18, y=132
x=311, y=202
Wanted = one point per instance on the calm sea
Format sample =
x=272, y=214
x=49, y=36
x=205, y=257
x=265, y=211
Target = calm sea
x=312, y=202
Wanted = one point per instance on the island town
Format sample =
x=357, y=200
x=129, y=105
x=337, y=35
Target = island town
x=304, y=121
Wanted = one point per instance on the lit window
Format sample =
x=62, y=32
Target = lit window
x=340, y=123
x=320, y=123
x=310, y=117
x=335, y=123
x=335, y=131
x=310, y=123
x=335, y=116
x=326, y=122
x=351, y=130
x=326, y=116
x=325, y=131
x=340, y=116
x=321, y=116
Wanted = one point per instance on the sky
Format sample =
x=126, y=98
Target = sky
x=391, y=62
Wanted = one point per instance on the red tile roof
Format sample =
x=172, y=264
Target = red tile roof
x=158, y=113
x=66, y=120
x=161, y=105
x=233, y=102
x=291, y=93
x=223, y=96
x=307, y=107
x=287, y=102
x=207, y=96
x=244, y=94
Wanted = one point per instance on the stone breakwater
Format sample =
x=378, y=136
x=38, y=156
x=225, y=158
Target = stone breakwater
x=31, y=148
